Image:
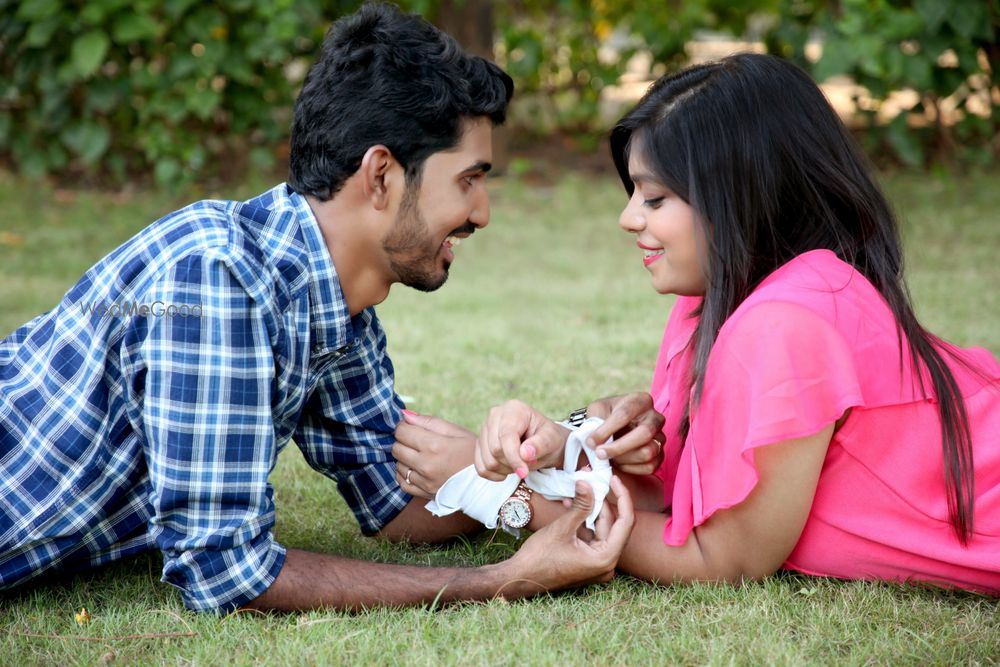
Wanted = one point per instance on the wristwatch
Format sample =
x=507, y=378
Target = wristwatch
x=516, y=510
x=576, y=418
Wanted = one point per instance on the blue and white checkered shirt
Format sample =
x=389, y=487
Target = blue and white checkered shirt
x=147, y=409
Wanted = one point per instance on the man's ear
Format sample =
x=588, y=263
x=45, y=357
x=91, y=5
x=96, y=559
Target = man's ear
x=375, y=175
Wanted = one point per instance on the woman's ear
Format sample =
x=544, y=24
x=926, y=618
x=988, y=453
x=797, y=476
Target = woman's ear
x=375, y=170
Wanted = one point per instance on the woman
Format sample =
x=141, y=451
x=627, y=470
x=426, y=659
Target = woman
x=811, y=423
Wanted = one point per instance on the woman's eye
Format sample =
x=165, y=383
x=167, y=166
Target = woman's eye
x=654, y=202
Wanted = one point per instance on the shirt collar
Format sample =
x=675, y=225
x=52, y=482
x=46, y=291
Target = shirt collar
x=330, y=321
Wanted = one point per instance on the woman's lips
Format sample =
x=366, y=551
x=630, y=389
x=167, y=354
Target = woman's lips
x=650, y=254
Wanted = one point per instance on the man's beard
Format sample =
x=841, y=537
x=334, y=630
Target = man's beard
x=411, y=250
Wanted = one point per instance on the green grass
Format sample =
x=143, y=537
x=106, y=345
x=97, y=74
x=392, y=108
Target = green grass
x=551, y=305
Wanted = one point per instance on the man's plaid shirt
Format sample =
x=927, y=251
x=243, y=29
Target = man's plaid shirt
x=147, y=409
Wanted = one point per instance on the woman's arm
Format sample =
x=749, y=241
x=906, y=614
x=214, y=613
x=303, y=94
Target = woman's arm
x=646, y=491
x=747, y=541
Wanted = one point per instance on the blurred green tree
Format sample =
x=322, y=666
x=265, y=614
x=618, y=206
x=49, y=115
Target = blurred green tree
x=166, y=87
x=132, y=86
x=564, y=53
x=943, y=53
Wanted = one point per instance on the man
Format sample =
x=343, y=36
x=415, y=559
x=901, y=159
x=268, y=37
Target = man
x=147, y=409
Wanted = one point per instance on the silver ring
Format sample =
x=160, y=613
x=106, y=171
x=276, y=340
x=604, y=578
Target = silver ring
x=407, y=478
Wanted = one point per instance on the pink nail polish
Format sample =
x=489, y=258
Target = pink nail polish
x=529, y=452
x=522, y=472
x=409, y=412
x=602, y=454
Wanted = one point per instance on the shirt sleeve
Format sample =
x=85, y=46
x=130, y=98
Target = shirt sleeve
x=348, y=427
x=209, y=435
x=776, y=372
x=669, y=388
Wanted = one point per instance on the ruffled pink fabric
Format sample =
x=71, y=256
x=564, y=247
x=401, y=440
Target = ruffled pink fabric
x=814, y=340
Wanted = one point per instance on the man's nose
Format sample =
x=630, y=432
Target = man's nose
x=480, y=214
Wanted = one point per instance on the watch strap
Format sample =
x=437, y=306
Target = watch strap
x=576, y=418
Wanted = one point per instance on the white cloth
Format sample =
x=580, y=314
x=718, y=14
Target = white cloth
x=480, y=498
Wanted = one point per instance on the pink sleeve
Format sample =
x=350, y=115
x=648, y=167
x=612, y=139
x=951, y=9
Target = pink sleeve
x=777, y=371
x=669, y=387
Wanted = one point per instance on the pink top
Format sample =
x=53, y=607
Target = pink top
x=814, y=339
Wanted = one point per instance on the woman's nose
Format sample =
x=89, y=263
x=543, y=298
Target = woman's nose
x=631, y=217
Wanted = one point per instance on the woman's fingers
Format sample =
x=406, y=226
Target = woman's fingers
x=499, y=446
x=644, y=460
x=404, y=454
x=412, y=482
x=637, y=437
x=629, y=413
x=510, y=445
x=486, y=464
x=435, y=425
x=624, y=410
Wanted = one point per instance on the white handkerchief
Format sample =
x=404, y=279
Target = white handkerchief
x=478, y=497
x=481, y=498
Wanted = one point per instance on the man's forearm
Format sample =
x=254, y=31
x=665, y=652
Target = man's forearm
x=416, y=524
x=311, y=581
x=551, y=559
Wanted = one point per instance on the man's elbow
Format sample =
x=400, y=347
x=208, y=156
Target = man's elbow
x=393, y=534
x=417, y=526
x=397, y=534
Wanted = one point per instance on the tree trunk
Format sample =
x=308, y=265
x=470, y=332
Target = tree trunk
x=471, y=23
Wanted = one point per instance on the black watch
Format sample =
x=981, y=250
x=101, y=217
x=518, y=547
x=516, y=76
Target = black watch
x=576, y=418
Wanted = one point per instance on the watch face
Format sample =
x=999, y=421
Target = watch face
x=515, y=513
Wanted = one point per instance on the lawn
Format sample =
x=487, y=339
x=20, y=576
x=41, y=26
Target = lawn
x=550, y=304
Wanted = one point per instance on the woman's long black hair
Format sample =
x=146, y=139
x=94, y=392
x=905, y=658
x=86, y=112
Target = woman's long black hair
x=753, y=146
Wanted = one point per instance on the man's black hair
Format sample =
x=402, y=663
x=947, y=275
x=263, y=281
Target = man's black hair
x=385, y=77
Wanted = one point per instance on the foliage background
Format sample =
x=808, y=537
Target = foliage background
x=176, y=89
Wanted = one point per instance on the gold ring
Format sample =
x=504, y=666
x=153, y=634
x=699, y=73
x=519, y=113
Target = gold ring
x=408, y=472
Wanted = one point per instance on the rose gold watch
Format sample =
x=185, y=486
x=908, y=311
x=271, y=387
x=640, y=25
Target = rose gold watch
x=516, y=511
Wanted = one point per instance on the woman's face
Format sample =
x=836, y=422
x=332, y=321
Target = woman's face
x=666, y=231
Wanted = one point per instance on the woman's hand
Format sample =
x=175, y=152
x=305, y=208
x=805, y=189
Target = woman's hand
x=637, y=428
x=428, y=451
x=517, y=437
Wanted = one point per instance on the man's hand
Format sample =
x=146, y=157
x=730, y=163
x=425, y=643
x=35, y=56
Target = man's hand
x=428, y=451
x=637, y=428
x=556, y=557
x=517, y=437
